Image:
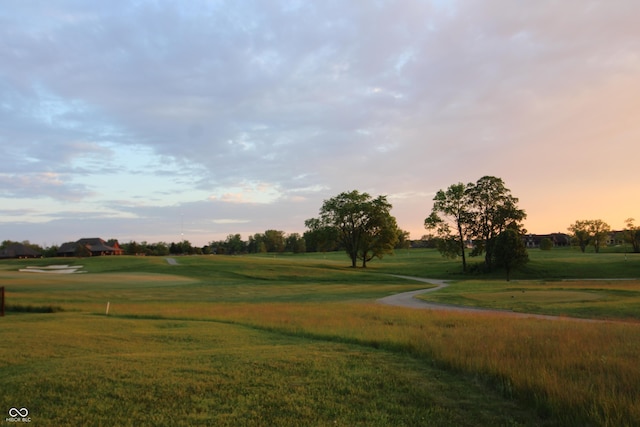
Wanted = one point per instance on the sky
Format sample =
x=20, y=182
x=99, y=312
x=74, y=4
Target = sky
x=169, y=120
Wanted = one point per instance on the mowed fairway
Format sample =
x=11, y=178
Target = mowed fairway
x=292, y=341
x=591, y=299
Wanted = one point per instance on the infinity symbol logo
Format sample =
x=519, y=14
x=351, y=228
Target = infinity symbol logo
x=15, y=412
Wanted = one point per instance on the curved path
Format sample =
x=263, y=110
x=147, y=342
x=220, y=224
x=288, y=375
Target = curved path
x=407, y=299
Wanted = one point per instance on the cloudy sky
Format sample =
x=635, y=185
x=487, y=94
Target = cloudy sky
x=157, y=120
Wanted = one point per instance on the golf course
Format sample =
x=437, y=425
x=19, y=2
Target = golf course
x=304, y=340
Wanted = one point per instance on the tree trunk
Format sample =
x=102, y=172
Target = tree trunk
x=464, y=258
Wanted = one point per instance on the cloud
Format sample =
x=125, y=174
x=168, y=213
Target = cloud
x=37, y=185
x=279, y=105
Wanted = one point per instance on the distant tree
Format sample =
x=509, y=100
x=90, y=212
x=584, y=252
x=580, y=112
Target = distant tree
x=428, y=241
x=274, y=240
x=320, y=237
x=234, y=244
x=450, y=219
x=182, y=248
x=509, y=251
x=132, y=248
x=364, y=225
x=295, y=243
x=599, y=231
x=50, y=251
x=589, y=232
x=404, y=241
x=632, y=234
x=546, y=244
x=159, y=249
x=580, y=234
x=256, y=244
x=493, y=210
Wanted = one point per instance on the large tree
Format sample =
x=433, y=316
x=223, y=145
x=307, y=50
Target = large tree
x=381, y=233
x=492, y=210
x=364, y=225
x=449, y=218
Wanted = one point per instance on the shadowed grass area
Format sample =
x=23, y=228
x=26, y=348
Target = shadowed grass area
x=16, y=308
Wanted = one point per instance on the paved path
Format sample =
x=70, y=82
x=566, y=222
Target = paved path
x=407, y=299
x=172, y=261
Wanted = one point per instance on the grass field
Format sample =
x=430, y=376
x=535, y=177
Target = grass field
x=299, y=340
x=593, y=299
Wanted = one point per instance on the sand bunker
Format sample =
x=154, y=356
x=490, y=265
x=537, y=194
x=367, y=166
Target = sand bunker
x=54, y=269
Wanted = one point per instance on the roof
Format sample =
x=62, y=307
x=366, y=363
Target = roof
x=94, y=244
x=18, y=250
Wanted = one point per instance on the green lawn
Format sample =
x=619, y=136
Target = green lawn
x=596, y=299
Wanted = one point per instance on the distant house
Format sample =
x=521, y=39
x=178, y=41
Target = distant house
x=558, y=239
x=95, y=246
x=18, y=250
x=116, y=246
x=615, y=238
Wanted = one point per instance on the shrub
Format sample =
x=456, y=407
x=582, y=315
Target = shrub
x=546, y=244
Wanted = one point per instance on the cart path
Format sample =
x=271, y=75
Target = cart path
x=407, y=299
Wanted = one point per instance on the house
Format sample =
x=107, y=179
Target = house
x=615, y=238
x=116, y=246
x=558, y=239
x=95, y=246
x=18, y=250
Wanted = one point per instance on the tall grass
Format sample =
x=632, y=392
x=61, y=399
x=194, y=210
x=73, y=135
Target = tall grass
x=580, y=373
x=74, y=369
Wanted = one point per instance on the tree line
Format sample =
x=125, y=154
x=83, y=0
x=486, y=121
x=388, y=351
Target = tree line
x=596, y=232
x=479, y=218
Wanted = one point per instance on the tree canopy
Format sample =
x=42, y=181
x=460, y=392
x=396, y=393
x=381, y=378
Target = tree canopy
x=476, y=212
x=589, y=232
x=632, y=234
x=363, y=225
x=450, y=218
x=509, y=251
